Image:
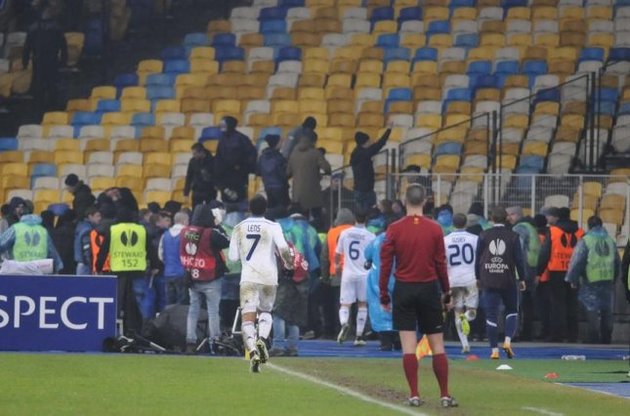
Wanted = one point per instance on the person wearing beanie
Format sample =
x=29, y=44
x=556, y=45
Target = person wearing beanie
x=363, y=168
x=200, y=176
x=272, y=168
x=556, y=251
x=306, y=129
x=235, y=159
x=305, y=166
x=83, y=198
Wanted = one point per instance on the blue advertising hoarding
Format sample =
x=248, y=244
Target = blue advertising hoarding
x=56, y=313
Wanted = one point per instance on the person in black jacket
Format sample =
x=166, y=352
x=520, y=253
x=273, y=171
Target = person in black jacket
x=199, y=177
x=272, y=168
x=83, y=198
x=46, y=41
x=499, y=263
x=625, y=271
x=363, y=168
x=234, y=161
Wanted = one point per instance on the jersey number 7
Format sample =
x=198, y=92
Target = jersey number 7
x=256, y=238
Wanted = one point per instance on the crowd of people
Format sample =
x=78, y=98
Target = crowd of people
x=532, y=269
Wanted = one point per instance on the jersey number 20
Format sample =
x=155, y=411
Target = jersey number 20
x=460, y=254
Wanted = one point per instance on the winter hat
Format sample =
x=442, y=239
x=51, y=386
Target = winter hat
x=72, y=180
x=361, y=138
x=272, y=140
x=310, y=122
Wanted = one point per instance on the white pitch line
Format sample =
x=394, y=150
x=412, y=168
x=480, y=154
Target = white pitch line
x=542, y=411
x=345, y=390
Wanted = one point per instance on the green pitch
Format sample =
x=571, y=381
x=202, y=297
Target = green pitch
x=171, y=385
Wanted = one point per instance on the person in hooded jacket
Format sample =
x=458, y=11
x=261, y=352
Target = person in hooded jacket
x=304, y=167
x=200, y=251
x=199, y=176
x=555, y=254
x=272, y=168
x=62, y=235
x=235, y=159
x=168, y=253
x=306, y=129
x=363, y=168
x=28, y=240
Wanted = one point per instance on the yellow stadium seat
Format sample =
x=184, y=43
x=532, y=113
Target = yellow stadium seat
x=481, y=53
x=516, y=81
x=310, y=93
x=330, y=133
x=521, y=40
x=116, y=119
x=567, y=134
x=219, y=26
x=180, y=146
x=368, y=80
x=14, y=168
x=339, y=80
x=457, y=119
x=153, y=132
x=317, y=66
x=202, y=52
x=401, y=107
x=602, y=40
x=288, y=120
x=80, y=104
x=492, y=39
x=572, y=12
x=574, y=39
x=592, y=188
x=463, y=13
x=520, y=13
x=136, y=184
x=343, y=66
x=101, y=183
x=284, y=106
x=134, y=92
x=153, y=145
x=367, y=120
x=40, y=156
x=489, y=94
x=103, y=93
x=55, y=118
x=385, y=26
x=520, y=121
x=572, y=120
x=331, y=146
x=341, y=120
x=535, y=147
x=424, y=67
x=550, y=40
x=68, y=144
x=398, y=66
x=364, y=40
x=158, y=158
x=547, y=107
x=432, y=121
x=340, y=106
x=348, y=52
x=599, y=12
x=161, y=197
x=239, y=67
x=586, y=213
x=49, y=196
x=422, y=93
x=316, y=53
x=194, y=105
x=544, y=12
x=167, y=106
x=436, y=13
x=372, y=66
x=14, y=156
x=440, y=40
x=127, y=145
x=313, y=106
x=395, y=80
x=251, y=40
x=458, y=107
x=413, y=40
x=447, y=163
x=150, y=66
x=129, y=170
x=63, y=157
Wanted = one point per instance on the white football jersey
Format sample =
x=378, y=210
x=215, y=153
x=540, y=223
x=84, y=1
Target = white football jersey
x=351, y=244
x=460, y=257
x=255, y=242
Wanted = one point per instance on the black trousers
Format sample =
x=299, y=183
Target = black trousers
x=564, y=309
x=127, y=307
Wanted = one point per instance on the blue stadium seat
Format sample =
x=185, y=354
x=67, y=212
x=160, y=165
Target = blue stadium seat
x=382, y=13
x=143, y=119
x=456, y=4
x=277, y=39
x=467, y=40
x=158, y=92
x=426, y=54
x=619, y=54
x=398, y=94
x=173, y=52
x=484, y=81
x=620, y=3
x=85, y=118
x=624, y=108
x=535, y=66
x=289, y=53
x=479, y=67
x=608, y=94
x=160, y=80
x=125, y=80
x=508, y=4
x=291, y=3
x=229, y=54
x=592, y=54
x=272, y=13
x=8, y=143
x=192, y=40
x=210, y=133
x=438, y=26
x=457, y=94
x=44, y=169
x=548, y=94
x=532, y=161
x=410, y=13
x=224, y=39
x=448, y=148
x=108, y=106
x=176, y=66
x=388, y=40
x=273, y=26
x=605, y=107
x=391, y=54
x=507, y=67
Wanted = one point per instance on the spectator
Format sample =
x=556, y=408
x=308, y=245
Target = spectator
x=363, y=168
x=593, y=268
x=398, y=209
x=530, y=243
x=476, y=222
x=304, y=167
x=27, y=240
x=46, y=42
x=272, y=168
x=625, y=271
x=444, y=217
x=83, y=198
x=460, y=249
x=498, y=264
x=336, y=196
x=62, y=235
x=331, y=281
x=542, y=295
x=129, y=250
x=81, y=239
x=48, y=220
x=228, y=307
x=555, y=254
x=17, y=206
x=156, y=290
x=307, y=129
x=199, y=177
x=200, y=250
x=380, y=319
x=234, y=161
x=415, y=244
x=168, y=253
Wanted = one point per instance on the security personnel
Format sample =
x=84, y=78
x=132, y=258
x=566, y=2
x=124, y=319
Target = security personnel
x=555, y=255
x=594, y=265
x=331, y=283
x=128, y=248
x=28, y=240
x=499, y=263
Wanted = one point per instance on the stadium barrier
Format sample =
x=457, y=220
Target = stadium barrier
x=56, y=313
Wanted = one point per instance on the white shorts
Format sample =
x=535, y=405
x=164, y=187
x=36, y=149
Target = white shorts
x=467, y=296
x=257, y=297
x=353, y=290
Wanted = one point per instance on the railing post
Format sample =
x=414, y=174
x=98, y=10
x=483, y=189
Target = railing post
x=532, y=205
x=581, y=200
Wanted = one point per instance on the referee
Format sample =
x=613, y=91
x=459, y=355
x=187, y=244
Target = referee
x=416, y=245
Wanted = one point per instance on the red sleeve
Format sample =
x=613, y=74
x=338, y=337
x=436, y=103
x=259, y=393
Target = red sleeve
x=440, y=261
x=387, y=260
